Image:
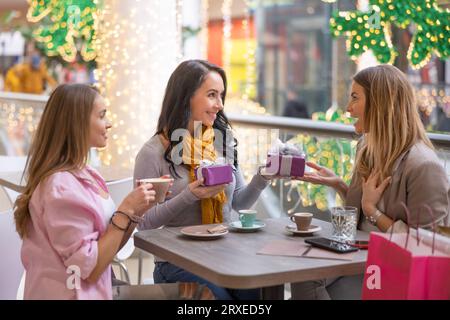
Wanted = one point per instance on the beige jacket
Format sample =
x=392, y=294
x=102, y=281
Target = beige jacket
x=418, y=178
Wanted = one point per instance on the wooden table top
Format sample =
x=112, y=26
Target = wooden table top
x=231, y=261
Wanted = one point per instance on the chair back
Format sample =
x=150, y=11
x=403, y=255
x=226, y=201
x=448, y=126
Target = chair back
x=118, y=190
x=11, y=268
x=11, y=164
x=12, y=273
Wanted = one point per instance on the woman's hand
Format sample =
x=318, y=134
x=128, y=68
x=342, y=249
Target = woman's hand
x=263, y=173
x=167, y=176
x=326, y=177
x=138, y=201
x=202, y=192
x=322, y=175
x=372, y=192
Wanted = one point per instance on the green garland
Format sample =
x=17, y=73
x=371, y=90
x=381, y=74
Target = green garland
x=62, y=23
x=372, y=30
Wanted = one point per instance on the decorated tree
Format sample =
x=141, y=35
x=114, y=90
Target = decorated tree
x=372, y=30
x=65, y=26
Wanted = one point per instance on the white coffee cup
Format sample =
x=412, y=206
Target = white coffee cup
x=160, y=185
x=302, y=220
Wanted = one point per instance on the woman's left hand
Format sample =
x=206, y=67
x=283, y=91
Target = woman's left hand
x=371, y=192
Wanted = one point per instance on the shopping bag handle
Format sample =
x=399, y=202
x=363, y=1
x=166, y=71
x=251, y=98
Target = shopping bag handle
x=434, y=226
x=408, y=218
x=408, y=214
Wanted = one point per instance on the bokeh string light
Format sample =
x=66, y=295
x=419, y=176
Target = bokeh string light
x=179, y=27
x=227, y=28
x=139, y=50
x=204, y=28
x=250, y=56
x=431, y=97
x=19, y=118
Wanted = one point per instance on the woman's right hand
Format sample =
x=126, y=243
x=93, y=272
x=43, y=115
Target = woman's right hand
x=138, y=201
x=322, y=175
x=202, y=192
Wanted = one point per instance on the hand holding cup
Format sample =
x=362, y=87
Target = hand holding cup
x=160, y=185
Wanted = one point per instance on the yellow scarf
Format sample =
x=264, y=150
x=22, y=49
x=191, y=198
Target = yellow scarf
x=195, y=150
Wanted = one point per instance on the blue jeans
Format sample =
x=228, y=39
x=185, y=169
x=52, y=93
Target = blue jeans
x=166, y=272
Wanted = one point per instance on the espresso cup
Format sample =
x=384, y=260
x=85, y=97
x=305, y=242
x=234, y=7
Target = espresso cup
x=302, y=220
x=247, y=218
x=160, y=185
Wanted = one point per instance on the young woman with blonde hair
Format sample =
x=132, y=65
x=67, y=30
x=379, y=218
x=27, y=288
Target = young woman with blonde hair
x=69, y=224
x=395, y=160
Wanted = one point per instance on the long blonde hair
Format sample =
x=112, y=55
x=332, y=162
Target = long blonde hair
x=391, y=120
x=61, y=142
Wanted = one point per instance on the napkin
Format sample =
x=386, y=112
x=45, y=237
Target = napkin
x=302, y=250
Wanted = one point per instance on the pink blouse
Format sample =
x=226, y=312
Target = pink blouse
x=61, y=248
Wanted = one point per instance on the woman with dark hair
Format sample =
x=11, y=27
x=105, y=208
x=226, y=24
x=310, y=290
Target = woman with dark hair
x=193, y=105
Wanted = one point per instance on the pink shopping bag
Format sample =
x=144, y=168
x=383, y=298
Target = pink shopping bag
x=437, y=277
x=407, y=266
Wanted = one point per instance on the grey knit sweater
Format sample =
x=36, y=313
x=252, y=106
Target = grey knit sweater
x=182, y=207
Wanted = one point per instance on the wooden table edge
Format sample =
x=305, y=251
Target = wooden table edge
x=245, y=281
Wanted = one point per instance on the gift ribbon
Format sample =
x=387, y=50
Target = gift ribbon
x=286, y=165
x=208, y=163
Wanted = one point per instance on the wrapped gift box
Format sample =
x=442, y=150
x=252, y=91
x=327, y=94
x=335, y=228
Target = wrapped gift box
x=285, y=165
x=215, y=174
x=286, y=161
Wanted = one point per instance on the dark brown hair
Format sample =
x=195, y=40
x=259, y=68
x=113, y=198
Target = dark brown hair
x=176, y=110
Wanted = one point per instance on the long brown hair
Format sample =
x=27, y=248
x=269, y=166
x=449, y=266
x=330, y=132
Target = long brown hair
x=391, y=119
x=61, y=142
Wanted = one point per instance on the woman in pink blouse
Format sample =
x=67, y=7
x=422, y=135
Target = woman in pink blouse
x=70, y=227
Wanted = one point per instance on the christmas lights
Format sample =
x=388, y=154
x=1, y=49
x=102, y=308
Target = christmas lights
x=372, y=30
x=63, y=24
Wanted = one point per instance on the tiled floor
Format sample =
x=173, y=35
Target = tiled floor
x=147, y=270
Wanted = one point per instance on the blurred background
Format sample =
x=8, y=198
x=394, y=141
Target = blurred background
x=289, y=64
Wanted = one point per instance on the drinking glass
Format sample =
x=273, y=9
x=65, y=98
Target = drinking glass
x=343, y=221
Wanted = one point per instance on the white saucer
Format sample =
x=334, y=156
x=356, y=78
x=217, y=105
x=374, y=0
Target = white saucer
x=293, y=228
x=237, y=226
x=201, y=232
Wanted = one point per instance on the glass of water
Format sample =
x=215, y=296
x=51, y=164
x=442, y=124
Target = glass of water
x=343, y=222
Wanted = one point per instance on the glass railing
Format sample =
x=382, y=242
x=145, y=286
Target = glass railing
x=19, y=116
x=329, y=144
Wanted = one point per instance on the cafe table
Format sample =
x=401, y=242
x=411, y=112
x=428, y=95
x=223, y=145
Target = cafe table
x=232, y=261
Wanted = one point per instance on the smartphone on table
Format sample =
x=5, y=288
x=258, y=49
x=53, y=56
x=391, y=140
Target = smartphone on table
x=331, y=245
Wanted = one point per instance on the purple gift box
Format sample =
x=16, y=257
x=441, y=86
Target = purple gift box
x=215, y=174
x=285, y=165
